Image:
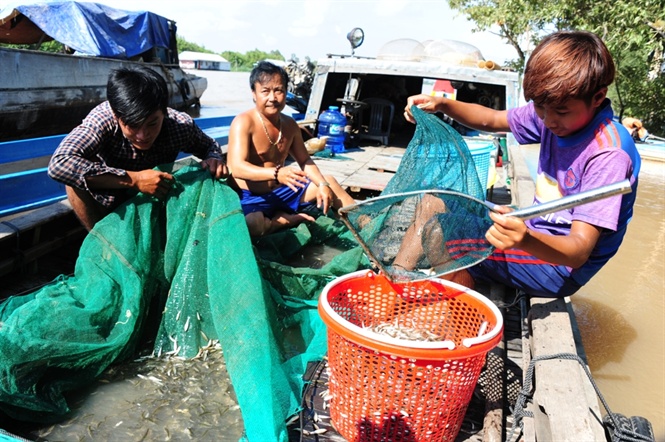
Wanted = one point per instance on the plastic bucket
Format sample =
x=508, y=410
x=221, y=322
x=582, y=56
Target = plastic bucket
x=481, y=152
x=332, y=124
x=385, y=387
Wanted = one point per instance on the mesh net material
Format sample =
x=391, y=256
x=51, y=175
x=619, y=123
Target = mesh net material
x=416, y=235
x=437, y=157
x=186, y=272
x=411, y=233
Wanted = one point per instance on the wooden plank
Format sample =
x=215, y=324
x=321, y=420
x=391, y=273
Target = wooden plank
x=369, y=179
x=560, y=393
x=351, y=167
x=383, y=162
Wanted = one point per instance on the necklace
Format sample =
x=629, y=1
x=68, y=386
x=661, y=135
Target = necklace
x=265, y=129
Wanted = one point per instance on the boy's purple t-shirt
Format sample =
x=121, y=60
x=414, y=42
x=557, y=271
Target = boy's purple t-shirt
x=600, y=154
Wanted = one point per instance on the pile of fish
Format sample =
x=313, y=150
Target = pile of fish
x=155, y=398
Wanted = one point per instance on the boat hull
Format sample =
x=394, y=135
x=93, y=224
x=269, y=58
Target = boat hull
x=44, y=93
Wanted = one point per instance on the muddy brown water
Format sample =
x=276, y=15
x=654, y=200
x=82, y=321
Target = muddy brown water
x=621, y=311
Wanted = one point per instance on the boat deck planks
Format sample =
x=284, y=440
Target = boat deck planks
x=368, y=167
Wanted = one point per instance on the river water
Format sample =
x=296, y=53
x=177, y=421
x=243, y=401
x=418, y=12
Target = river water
x=621, y=312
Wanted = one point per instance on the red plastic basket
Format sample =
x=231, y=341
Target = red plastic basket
x=385, y=388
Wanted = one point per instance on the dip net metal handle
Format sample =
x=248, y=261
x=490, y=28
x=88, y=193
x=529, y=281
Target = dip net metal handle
x=589, y=196
x=443, y=231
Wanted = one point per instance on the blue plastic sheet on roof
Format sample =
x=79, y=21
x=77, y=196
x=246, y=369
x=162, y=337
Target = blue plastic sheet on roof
x=95, y=29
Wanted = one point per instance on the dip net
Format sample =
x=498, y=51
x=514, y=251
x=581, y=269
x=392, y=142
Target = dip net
x=431, y=218
x=177, y=275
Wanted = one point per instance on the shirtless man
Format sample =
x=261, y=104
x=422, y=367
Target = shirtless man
x=260, y=140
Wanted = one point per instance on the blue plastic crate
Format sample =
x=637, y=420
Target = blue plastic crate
x=481, y=151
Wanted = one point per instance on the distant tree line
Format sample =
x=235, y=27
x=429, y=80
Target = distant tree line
x=47, y=46
x=239, y=62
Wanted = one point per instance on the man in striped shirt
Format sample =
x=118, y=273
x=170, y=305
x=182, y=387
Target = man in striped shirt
x=112, y=154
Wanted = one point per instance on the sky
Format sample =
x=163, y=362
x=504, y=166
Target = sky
x=315, y=28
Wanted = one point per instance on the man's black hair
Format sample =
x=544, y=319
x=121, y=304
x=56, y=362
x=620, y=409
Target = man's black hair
x=136, y=93
x=264, y=70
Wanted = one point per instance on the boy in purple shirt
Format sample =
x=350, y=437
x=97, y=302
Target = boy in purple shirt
x=582, y=147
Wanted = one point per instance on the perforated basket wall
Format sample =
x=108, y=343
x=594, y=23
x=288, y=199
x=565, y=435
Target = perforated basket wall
x=481, y=152
x=384, y=388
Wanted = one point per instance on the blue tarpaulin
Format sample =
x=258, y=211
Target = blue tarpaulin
x=92, y=28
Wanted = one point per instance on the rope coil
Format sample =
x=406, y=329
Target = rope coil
x=620, y=433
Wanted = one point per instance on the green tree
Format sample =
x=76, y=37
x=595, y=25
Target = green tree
x=633, y=31
x=48, y=46
x=184, y=45
x=245, y=62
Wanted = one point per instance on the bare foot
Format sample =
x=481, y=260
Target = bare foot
x=283, y=219
x=363, y=220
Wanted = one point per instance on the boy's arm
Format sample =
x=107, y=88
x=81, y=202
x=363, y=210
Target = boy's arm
x=471, y=115
x=572, y=250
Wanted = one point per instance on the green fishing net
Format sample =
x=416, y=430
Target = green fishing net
x=183, y=272
x=412, y=230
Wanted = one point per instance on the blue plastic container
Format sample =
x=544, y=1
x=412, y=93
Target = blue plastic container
x=481, y=152
x=331, y=125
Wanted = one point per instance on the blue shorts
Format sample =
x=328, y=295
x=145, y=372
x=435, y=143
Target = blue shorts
x=518, y=269
x=281, y=199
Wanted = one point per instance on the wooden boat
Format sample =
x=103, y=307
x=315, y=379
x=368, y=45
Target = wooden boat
x=653, y=148
x=562, y=400
x=46, y=93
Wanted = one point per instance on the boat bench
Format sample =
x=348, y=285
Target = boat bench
x=28, y=236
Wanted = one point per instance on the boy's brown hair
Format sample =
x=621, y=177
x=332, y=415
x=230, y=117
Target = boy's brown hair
x=565, y=65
